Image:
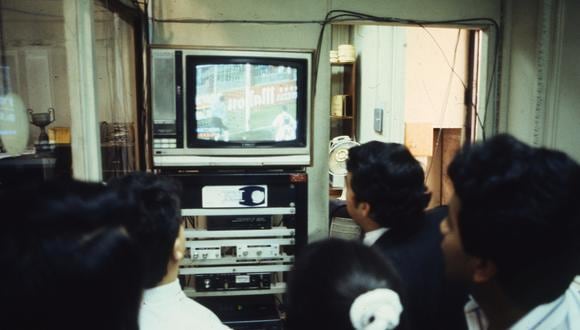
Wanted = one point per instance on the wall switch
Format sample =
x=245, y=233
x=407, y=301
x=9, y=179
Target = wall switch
x=378, y=120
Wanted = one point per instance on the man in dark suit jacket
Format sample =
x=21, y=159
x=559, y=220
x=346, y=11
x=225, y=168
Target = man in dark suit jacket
x=387, y=197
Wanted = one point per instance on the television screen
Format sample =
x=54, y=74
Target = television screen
x=245, y=102
x=249, y=101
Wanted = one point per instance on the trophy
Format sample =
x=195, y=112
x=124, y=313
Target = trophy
x=41, y=120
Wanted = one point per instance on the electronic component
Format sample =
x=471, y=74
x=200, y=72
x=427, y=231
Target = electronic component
x=239, y=222
x=222, y=282
x=206, y=252
x=257, y=251
x=245, y=312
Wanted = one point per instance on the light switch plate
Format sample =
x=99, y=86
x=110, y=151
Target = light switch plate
x=378, y=120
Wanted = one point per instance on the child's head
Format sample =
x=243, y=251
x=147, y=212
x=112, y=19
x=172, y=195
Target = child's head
x=339, y=284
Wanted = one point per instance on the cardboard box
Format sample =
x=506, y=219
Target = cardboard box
x=419, y=138
x=59, y=135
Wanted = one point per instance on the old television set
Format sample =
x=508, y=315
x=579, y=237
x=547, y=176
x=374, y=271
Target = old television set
x=230, y=107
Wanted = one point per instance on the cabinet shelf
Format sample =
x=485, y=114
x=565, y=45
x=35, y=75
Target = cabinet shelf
x=342, y=117
x=275, y=288
x=232, y=234
x=284, y=258
x=342, y=63
x=343, y=114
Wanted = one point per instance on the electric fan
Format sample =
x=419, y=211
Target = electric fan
x=337, y=157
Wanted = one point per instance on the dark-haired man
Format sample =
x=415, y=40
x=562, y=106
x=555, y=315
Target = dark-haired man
x=387, y=197
x=67, y=262
x=159, y=233
x=512, y=235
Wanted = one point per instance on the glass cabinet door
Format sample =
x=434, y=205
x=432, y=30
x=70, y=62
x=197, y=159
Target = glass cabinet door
x=36, y=122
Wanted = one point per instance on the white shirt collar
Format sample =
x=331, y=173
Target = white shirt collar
x=562, y=313
x=372, y=236
x=167, y=307
x=474, y=316
x=162, y=293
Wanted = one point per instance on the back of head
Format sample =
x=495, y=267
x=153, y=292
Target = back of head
x=519, y=209
x=67, y=262
x=391, y=180
x=327, y=277
x=157, y=226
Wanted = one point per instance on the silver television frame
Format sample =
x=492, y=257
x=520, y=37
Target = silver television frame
x=167, y=154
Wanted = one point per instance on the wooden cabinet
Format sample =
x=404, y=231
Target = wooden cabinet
x=343, y=112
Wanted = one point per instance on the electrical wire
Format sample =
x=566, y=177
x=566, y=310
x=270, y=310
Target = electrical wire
x=444, y=107
x=340, y=15
x=232, y=21
x=350, y=15
x=346, y=15
x=14, y=10
x=138, y=4
x=445, y=57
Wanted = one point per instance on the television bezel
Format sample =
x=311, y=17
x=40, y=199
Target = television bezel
x=275, y=155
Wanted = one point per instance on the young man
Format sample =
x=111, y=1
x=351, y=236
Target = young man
x=67, y=262
x=159, y=233
x=387, y=197
x=512, y=235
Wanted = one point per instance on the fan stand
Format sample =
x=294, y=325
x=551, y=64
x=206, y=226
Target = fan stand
x=342, y=196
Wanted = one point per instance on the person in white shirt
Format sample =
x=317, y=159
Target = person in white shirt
x=159, y=233
x=284, y=126
x=512, y=235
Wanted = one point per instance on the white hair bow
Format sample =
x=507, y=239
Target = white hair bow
x=378, y=309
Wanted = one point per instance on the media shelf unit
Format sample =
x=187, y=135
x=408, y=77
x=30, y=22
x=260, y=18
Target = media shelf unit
x=267, y=212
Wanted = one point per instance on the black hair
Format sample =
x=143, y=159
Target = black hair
x=327, y=277
x=519, y=207
x=159, y=220
x=391, y=180
x=67, y=263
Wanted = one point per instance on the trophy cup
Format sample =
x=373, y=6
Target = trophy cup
x=41, y=120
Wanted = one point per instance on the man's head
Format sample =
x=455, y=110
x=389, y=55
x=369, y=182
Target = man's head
x=67, y=262
x=514, y=220
x=158, y=230
x=385, y=184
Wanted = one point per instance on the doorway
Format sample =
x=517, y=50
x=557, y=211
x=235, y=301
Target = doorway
x=417, y=86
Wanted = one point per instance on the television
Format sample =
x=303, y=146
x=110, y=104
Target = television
x=230, y=107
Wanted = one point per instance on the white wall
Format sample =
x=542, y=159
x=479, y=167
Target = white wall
x=407, y=72
x=565, y=133
x=540, y=99
x=434, y=93
x=296, y=36
x=520, y=65
x=381, y=57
